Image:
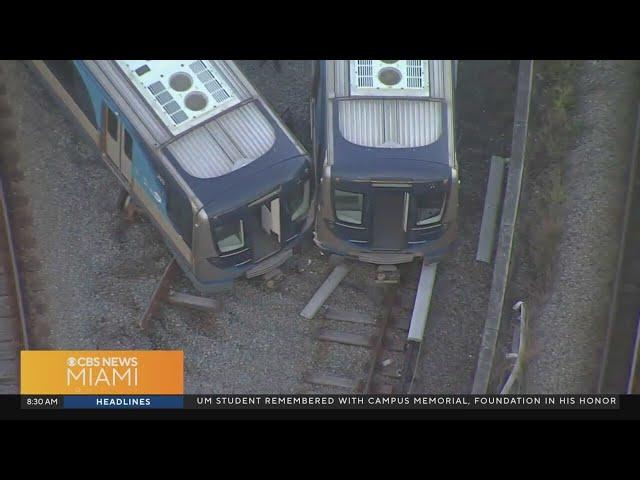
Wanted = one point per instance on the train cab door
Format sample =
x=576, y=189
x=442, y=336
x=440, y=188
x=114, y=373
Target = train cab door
x=263, y=223
x=117, y=143
x=390, y=220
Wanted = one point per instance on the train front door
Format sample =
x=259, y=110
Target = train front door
x=264, y=224
x=390, y=219
x=118, y=143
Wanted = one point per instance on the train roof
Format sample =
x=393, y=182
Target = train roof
x=389, y=109
x=376, y=79
x=203, y=116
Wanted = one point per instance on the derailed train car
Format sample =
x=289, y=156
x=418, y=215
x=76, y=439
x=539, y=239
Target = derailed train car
x=384, y=146
x=197, y=147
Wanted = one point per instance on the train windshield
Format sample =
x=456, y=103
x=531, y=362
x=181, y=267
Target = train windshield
x=299, y=200
x=230, y=236
x=349, y=206
x=429, y=206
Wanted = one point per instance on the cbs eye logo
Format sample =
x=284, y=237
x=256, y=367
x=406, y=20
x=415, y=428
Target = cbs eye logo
x=71, y=362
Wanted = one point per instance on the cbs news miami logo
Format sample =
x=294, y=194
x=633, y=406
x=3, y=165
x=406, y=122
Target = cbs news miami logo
x=59, y=372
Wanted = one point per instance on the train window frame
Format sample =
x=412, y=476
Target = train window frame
x=112, y=123
x=127, y=144
x=343, y=219
x=429, y=221
x=224, y=251
x=305, y=202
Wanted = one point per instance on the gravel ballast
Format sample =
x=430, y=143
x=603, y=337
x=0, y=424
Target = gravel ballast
x=99, y=271
x=485, y=96
x=568, y=333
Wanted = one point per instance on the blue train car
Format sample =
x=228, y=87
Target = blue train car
x=202, y=153
x=383, y=142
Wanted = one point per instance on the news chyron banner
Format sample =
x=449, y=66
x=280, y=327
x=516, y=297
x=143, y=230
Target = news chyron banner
x=137, y=379
x=104, y=378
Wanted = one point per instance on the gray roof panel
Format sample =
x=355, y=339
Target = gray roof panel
x=226, y=143
x=216, y=142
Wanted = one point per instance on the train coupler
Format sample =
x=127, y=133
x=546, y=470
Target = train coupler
x=387, y=274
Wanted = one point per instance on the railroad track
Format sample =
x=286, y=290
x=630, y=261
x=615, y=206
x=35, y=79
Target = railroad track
x=390, y=359
x=620, y=369
x=13, y=317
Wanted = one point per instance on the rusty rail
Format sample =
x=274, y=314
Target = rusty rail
x=377, y=377
x=15, y=272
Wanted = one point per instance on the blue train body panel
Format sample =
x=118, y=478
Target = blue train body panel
x=197, y=196
x=142, y=169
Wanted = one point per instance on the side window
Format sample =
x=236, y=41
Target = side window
x=128, y=145
x=112, y=124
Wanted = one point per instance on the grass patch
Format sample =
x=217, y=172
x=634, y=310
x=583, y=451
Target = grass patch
x=552, y=132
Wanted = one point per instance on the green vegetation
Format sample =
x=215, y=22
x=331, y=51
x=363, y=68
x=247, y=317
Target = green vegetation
x=552, y=131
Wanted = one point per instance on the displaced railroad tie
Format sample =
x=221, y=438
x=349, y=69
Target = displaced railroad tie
x=346, y=338
x=325, y=290
x=492, y=203
x=330, y=380
x=422, y=301
x=191, y=301
x=160, y=293
x=351, y=317
x=164, y=293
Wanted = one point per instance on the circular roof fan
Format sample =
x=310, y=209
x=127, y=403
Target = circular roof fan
x=180, y=81
x=388, y=61
x=196, y=101
x=389, y=76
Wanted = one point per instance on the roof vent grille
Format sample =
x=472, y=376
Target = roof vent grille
x=165, y=99
x=183, y=93
x=206, y=76
x=414, y=74
x=390, y=78
x=365, y=73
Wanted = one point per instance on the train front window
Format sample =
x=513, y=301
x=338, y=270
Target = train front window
x=349, y=206
x=230, y=236
x=299, y=200
x=429, y=206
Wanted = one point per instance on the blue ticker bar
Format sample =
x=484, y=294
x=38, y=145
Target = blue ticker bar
x=123, y=401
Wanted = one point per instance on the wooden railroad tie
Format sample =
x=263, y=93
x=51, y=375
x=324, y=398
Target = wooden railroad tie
x=163, y=293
